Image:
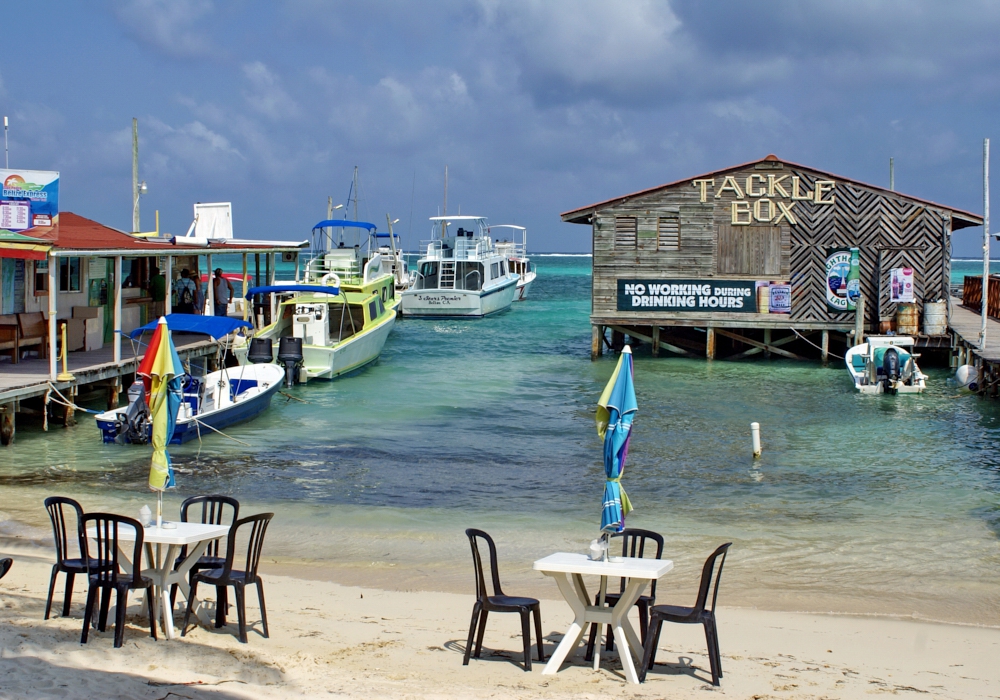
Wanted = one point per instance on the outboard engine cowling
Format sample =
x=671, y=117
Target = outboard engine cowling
x=261, y=351
x=290, y=356
x=890, y=368
x=133, y=427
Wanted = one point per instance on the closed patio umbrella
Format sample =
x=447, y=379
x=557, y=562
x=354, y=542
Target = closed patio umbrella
x=615, y=411
x=162, y=368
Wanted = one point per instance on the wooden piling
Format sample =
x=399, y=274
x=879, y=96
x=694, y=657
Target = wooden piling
x=596, y=341
x=710, y=343
x=7, y=424
x=767, y=343
x=859, y=321
x=656, y=341
x=824, y=344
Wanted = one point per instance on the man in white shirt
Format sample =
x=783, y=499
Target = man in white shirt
x=224, y=291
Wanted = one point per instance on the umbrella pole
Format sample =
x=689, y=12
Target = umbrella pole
x=600, y=604
x=159, y=509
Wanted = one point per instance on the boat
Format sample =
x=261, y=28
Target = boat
x=885, y=364
x=516, y=252
x=461, y=274
x=335, y=321
x=393, y=258
x=210, y=403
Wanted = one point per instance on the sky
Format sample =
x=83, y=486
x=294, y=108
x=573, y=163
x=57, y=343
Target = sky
x=535, y=106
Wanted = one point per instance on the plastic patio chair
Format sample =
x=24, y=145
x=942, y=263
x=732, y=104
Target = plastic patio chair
x=499, y=602
x=701, y=614
x=5, y=565
x=633, y=545
x=213, y=511
x=227, y=576
x=56, y=507
x=108, y=574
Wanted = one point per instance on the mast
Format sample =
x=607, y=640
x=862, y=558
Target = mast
x=986, y=242
x=355, y=188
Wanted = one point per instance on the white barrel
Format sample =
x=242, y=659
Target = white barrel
x=935, y=317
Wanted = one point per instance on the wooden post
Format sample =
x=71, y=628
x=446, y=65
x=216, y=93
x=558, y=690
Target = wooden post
x=710, y=343
x=767, y=341
x=859, y=321
x=617, y=340
x=53, y=296
x=7, y=424
x=596, y=341
x=210, y=289
x=245, y=287
x=117, y=343
x=168, y=305
x=114, y=393
x=656, y=341
x=824, y=344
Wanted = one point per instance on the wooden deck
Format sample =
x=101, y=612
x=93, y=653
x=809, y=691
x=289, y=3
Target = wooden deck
x=965, y=324
x=30, y=377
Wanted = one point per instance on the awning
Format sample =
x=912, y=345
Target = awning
x=23, y=252
x=215, y=326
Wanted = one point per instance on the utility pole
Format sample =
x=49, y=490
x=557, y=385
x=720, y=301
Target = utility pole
x=6, y=152
x=892, y=176
x=986, y=242
x=135, y=175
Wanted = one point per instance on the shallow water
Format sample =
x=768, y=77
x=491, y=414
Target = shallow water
x=859, y=504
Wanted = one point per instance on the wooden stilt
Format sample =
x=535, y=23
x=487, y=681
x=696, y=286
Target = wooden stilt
x=824, y=345
x=662, y=344
x=767, y=343
x=859, y=322
x=758, y=347
x=617, y=340
x=710, y=343
x=45, y=411
x=656, y=341
x=114, y=393
x=7, y=424
x=69, y=414
x=596, y=346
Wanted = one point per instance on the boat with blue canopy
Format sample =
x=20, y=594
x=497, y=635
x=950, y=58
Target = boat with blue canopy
x=210, y=402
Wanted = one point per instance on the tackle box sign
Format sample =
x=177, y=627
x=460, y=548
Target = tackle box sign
x=691, y=296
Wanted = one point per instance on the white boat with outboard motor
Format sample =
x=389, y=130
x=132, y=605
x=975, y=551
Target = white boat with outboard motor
x=461, y=274
x=208, y=403
x=885, y=364
x=516, y=252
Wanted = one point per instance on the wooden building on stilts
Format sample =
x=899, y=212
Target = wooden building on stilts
x=756, y=258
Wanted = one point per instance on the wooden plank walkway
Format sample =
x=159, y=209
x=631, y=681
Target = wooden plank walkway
x=966, y=324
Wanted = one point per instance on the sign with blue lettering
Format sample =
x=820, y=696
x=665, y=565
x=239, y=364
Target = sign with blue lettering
x=690, y=296
x=29, y=198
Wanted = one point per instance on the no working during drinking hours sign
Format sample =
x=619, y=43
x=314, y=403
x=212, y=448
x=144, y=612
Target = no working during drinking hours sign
x=687, y=295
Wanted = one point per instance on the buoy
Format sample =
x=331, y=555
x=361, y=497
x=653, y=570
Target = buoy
x=755, y=434
x=966, y=377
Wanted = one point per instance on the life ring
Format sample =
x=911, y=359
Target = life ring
x=330, y=276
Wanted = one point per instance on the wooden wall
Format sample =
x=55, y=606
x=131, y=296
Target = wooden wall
x=890, y=230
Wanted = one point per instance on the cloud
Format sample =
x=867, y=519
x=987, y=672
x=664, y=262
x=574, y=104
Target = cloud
x=266, y=95
x=169, y=26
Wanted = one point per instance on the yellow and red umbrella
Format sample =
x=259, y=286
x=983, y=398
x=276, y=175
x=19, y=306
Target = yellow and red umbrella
x=164, y=376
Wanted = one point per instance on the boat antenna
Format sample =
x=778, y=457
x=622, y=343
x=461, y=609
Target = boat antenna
x=354, y=186
x=445, y=212
x=413, y=191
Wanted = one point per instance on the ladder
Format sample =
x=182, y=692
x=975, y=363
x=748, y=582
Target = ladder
x=447, y=274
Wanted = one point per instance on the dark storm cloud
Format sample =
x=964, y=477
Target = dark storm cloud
x=537, y=106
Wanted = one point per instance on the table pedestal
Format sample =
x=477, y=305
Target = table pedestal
x=575, y=592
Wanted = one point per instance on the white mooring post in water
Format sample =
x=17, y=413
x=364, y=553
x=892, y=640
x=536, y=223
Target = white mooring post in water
x=755, y=436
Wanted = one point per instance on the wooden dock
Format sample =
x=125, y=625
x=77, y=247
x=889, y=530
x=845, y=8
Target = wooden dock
x=964, y=327
x=29, y=379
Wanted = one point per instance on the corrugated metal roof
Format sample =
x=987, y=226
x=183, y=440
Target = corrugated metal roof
x=581, y=215
x=75, y=232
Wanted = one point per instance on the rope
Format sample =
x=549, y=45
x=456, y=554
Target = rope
x=67, y=402
x=839, y=357
x=292, y=398
x=199, y=423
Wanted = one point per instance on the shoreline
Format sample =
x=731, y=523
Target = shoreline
x=352, y=641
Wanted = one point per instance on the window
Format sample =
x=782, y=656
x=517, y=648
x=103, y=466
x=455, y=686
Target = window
x=373, y=309
x=41, y=277
x=69, y=274
x=494, y=271
x=749, y=250
x=668, y=230
x=503, y=267
x=625, y=230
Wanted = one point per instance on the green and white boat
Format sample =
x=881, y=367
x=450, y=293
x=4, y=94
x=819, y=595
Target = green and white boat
x=336, y=320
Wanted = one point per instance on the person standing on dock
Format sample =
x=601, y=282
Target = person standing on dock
x=223, y=293
x=185, y=291
x=157, y=290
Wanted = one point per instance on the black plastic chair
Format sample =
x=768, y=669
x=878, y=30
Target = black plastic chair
x=5, y=565
x=499, y=602
x=633, y=545
x=701, y=614
x=106, y=573
x=213, y=511
x=56, y=507
x=239, y=580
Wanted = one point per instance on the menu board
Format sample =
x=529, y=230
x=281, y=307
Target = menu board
x=15, y=216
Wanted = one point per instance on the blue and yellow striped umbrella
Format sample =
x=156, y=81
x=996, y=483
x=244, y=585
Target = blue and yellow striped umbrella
x=162, y=368
x=615, y=411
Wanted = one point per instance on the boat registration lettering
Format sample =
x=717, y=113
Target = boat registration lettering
x=438, y=299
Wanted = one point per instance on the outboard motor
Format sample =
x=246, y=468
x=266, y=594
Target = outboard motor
x=890, y=369
x=133, y=426
x=290, y=356
x=261, y=351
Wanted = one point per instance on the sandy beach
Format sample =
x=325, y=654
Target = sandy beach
x=333, y=640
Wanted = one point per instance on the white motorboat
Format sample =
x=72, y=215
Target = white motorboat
x=885, y=364
x=461, y=273
x=516, y=252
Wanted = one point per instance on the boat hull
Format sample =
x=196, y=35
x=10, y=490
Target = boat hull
x=458, y=303
x=523, y=285
x=854, y=360
x=187, y=429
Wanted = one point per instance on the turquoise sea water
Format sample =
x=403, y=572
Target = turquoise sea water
x=859, y=504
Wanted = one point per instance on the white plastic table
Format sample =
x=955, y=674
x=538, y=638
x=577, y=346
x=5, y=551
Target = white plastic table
x=168, y=543
x=563, y=565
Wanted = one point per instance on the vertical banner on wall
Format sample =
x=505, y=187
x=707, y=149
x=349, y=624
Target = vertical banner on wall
x=843, y=279
x=29, y=198
x=901, y=285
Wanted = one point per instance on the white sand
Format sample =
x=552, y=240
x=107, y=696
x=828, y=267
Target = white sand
x=331, y=640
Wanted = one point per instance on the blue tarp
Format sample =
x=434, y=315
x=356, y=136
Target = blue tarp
x=215, y=326
x=313, y=288
x=341, y=223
